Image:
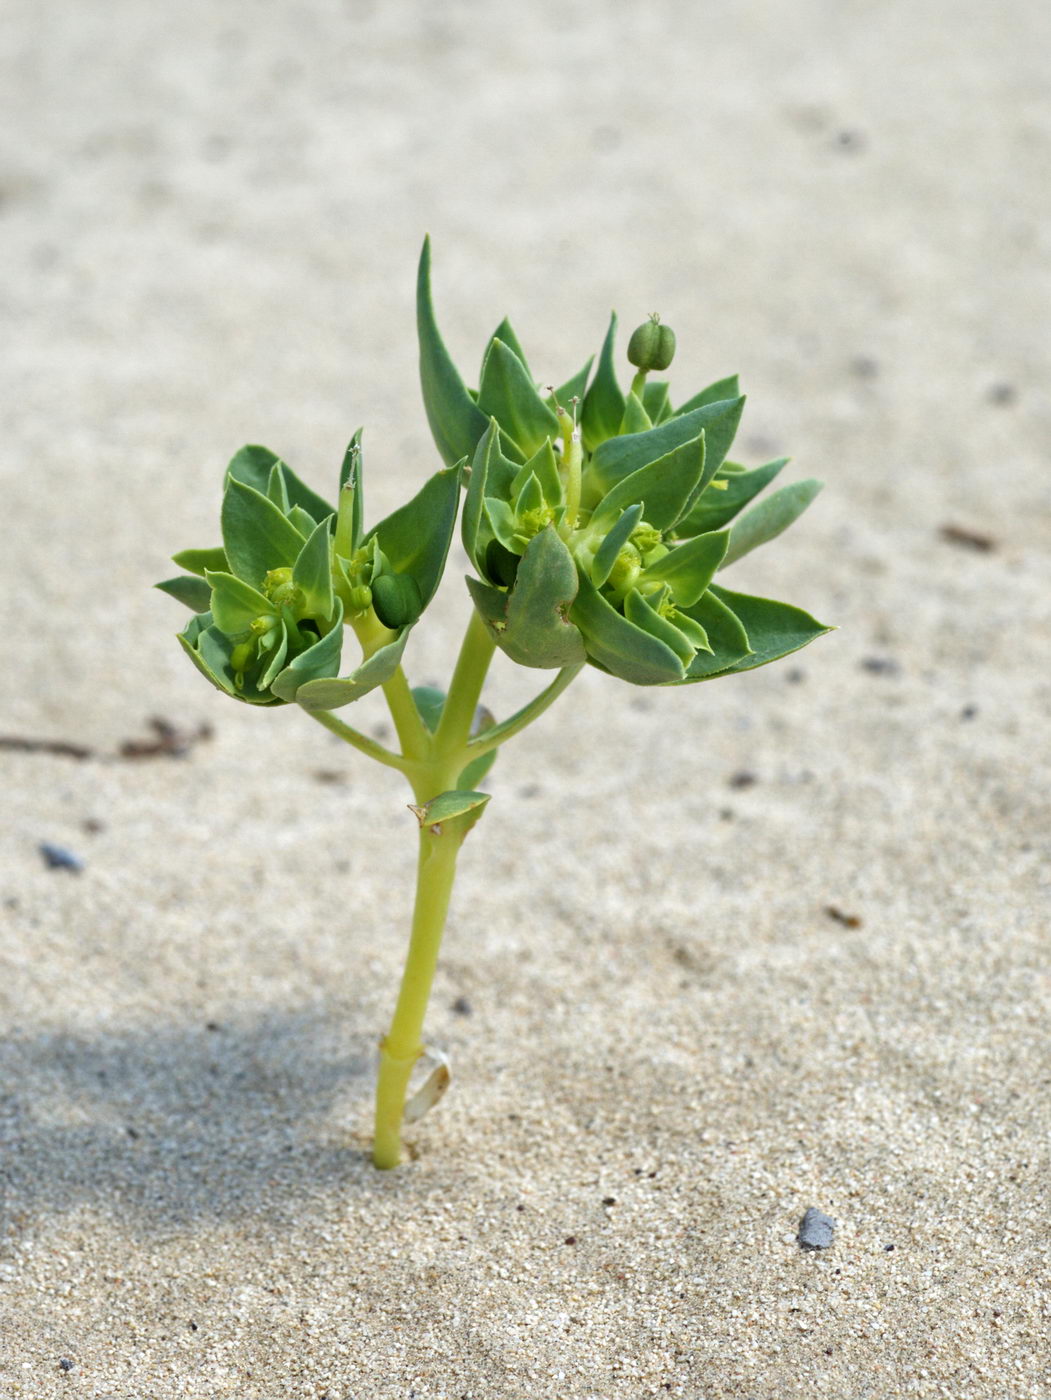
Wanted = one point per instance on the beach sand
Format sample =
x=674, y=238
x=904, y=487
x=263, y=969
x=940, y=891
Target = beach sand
x=717, y=954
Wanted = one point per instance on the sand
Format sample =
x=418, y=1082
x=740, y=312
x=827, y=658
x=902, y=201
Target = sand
x=682, y=1005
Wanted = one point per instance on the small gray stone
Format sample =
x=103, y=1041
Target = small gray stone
x=816, y=1229
x=61, y=858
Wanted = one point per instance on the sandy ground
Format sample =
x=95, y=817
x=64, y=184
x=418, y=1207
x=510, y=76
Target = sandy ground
x=209, y=219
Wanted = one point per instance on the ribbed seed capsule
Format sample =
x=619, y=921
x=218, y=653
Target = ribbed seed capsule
x=652, y=346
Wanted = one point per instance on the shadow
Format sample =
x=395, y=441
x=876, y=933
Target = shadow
x=175, y=1124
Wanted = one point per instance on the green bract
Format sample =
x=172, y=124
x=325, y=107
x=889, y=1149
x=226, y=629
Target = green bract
x=271, y=602
x=597, y=520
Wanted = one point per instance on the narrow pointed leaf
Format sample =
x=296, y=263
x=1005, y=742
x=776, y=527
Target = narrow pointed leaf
x=618, y=645
x=635, y=418
x=236, y=604
x=312, y=572
x=352, y=470
x=508, y=394
x=276, y=659
x=606, y=554
x=726, y=637
x=415, y=538
x=621, y=456
x=489, y=465
x=713, y=509
x=199, y=561
x=505, y=333
x=531, y=495
x=655, y=400
x=317, y=662
x=640, y=614
x=476, y=770
x=256, y=536
x=544, y=466
x=766, y=520
x=429, y=701
x=342, y=690
x=276, y=490
x=774, y=629
x=252, y=465
x=689, y=568
x=728, y=388
x=303, y=521
x=189, y=590
x=455, y=419
x=665, y=487
x=450, y=806
x=603, y=405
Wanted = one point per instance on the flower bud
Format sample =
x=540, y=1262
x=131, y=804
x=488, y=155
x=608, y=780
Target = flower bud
x=396, y=599
x=652, y=346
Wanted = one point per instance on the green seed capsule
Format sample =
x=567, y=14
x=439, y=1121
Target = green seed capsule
x=652, y=346
x=396, y=599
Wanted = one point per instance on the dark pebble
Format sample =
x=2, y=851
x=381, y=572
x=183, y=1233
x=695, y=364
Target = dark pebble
x=742, y=779
x=880, y=665
x=816, y=1229
x=60, y=858
x=462, y=1007
x=65, y=1364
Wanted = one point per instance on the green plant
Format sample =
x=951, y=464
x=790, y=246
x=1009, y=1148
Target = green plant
x=595, y=521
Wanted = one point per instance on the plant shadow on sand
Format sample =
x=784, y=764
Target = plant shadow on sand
x=168, y=1125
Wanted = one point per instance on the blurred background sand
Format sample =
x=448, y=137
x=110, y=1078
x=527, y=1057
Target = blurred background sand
x=717, y=954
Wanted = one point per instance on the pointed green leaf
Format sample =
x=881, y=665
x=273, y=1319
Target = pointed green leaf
x=538, y=631
x=620, y=647
x=766, y=520
x=722, y=389
x=689, y=568
x=351, y=477
x=476, y=770
x=508, y=394
x=256, y=536
x=606, y=554
x=655, y=400
x=491, y=604
x=726, y=635
x=456, y=422
x=236, y=604
x=621, y=456
x=275, y=489
x=187, y=589
x=275, y=658
x=415, y=538
x=462, y=807
x=501, y=519
x=505, y=333
x=312, y=572
x=317, y=662
x=342, y=690
x=253, y=465
x=429, y=701
x=530, y=497
x=209, y=650
x=303, y=521
x=488, y=466
x=635, y=418
x=544, y=466
x=640, y=614
x=199, y=561
x=774, y=629
x=603, y=405
x=716, y=508
x=665, y=487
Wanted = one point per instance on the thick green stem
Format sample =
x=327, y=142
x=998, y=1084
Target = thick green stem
x=403, y=1044
x=454, y=727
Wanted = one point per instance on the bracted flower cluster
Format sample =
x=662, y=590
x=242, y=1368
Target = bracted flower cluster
x=597, y=519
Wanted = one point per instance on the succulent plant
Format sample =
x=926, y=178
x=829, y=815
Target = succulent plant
x=595, y=520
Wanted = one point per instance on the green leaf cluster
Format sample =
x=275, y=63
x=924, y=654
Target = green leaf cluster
x=596, y=519
x=271, y=602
